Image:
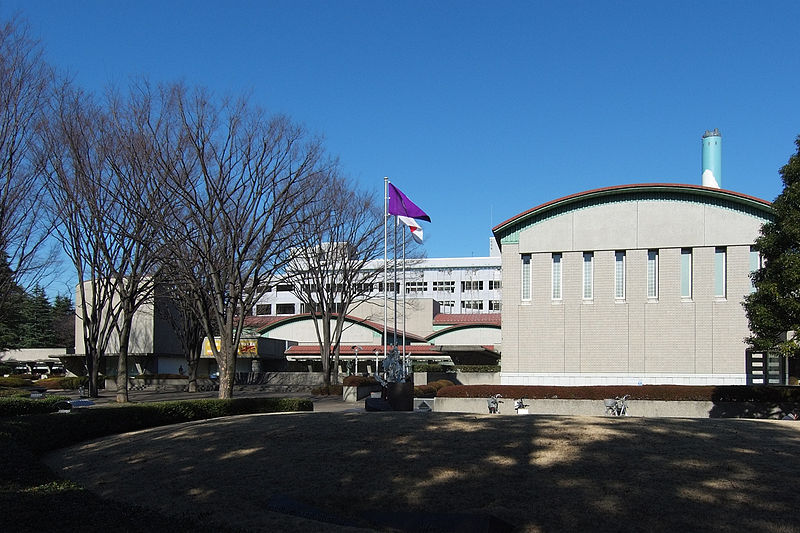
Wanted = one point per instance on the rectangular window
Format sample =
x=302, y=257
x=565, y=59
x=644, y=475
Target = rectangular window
x=686, y=273
x=472, y=304
x=588, y=275
x=652, y=273
x=496, y=284
x=494, y=305
x=720, y=272
x=284, y=287
x=472, y=285
x=444, y=286
x=755, y=264
x=413, y=287
x=263, y=309
x=447, y=307
x=526, y=277
x=284, y=309
x=619, y=275
x=556, y=285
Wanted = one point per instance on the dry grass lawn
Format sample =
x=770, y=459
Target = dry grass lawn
x=535, y=473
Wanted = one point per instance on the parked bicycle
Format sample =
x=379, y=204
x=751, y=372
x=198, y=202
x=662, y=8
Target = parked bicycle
x=520, y=406
x=617, y=406
x=493, y=403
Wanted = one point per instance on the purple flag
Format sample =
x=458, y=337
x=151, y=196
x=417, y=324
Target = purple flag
x=399, y=204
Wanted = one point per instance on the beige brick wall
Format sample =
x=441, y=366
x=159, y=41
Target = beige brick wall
x=668, y=336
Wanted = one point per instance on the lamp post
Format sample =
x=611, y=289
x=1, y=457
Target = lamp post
x=376, y=360
x=356, y=349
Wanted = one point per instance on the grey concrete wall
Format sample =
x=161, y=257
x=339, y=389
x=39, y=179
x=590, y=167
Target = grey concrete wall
x=638, y=408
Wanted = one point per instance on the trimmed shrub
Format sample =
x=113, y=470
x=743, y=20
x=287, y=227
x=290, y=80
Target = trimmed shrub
x=14, y=406
x=15, y=381
x=440, y=384
x=422, y=367
x=478, y=368
x=330, y=390
x=424, y=391
x=359, y=381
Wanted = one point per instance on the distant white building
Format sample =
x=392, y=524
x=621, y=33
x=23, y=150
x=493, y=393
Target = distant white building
x=460, y=285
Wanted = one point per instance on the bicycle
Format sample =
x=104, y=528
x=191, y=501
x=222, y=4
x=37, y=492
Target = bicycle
x=617, y=406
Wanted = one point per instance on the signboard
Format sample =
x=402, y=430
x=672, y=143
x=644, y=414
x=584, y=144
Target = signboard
x=247, y=348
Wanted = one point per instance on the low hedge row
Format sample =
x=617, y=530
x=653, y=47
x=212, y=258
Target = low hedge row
x=42, y=432
x=731, y=393
x=359, y=381
x=423, y=367
x=13, y=381
x=16, y=405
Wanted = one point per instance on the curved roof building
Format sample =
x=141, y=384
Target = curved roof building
x=629, y=284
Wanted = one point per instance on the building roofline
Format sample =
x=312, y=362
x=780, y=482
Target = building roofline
x=638, y=187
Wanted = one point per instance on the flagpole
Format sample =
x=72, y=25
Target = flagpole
x=405, y=360
x=394, y=246
x=385, y=266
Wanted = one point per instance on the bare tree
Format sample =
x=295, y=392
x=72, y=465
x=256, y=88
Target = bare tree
x=74, y=157
x=101, y=178
x=25, y=81
x=236, y=181
x=342, y=233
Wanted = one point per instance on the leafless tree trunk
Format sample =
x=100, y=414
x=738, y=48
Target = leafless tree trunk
x=100, y=177
x=25, y=82
x=235, y=180
x=342, y=233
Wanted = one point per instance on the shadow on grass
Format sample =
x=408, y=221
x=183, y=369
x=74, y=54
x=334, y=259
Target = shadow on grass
x=537, y=473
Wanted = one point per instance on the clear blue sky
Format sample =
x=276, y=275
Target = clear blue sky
x=476, y=110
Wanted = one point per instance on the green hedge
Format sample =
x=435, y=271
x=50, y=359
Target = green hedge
x=478, y=368
x=15, y=382
x=13, y=406
x=422, y=367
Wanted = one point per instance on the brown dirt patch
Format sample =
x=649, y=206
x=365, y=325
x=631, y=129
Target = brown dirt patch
x=537, y=473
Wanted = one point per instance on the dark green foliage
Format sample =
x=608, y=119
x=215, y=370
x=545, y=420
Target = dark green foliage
x=63, y=322
x=15, y=381
x=422, y=367
x=65, y=383
x=478, y=368
x=11, y=299
x=14, y=406
x=774, y=308
x=440, y=384
x=424, y=391
x=37, y=323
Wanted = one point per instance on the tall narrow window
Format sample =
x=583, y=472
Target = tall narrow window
x=556, y=276
x=619, y=275
x=652, y=273
x=686, y=273
x=720, y=272
x=588, y=275
x=755, y=264
x=526, y=277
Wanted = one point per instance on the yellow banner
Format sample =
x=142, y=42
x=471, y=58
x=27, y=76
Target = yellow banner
x=247, y=347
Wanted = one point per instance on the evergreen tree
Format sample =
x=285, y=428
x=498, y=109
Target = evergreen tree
x=773, y=310
x=37, y=327
x=10, y=306
x=63, y=322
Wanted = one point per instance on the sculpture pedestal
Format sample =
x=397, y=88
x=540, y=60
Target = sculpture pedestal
x=400, y=396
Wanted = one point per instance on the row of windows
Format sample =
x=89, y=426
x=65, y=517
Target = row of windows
x=411, y=286
x=469, y=305
x=652, y=270
x=446, y=307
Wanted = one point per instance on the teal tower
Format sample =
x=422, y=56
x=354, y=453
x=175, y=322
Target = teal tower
x=712, y=159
